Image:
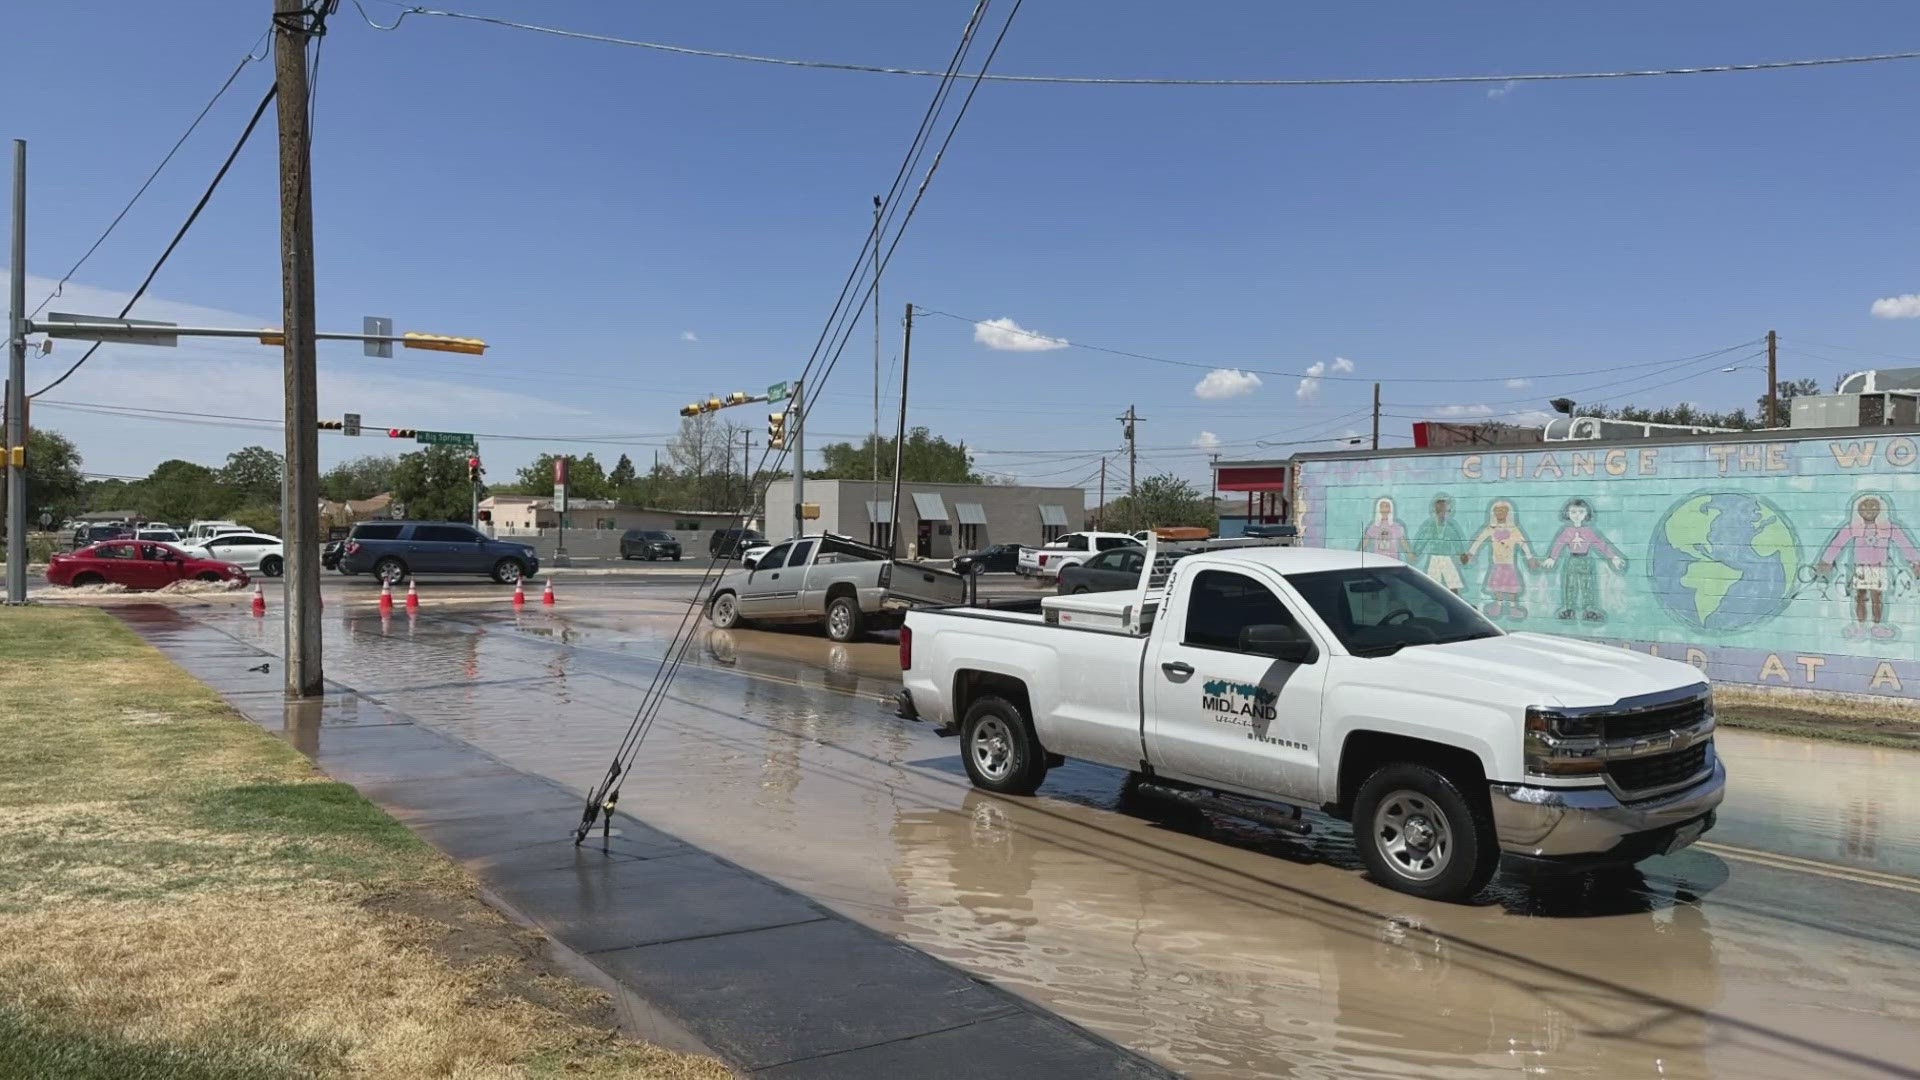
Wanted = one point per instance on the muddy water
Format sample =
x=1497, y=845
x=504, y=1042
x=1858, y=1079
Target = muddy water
x=1221, y=949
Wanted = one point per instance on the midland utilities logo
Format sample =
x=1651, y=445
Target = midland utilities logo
x=1237, y=703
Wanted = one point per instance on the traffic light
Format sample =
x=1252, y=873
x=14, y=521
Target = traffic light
x=473, y=469
x=739, y=397
x=777, y=430
x=443, y=343
x=333, y=425
x=401, y=433
x=690, y=409
x=712, y=404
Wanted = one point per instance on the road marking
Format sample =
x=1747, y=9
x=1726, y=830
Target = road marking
x=1899, y=882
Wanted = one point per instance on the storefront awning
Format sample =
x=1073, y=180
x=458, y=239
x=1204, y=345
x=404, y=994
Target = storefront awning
x=929, y=506
x=1252, y=478
x=971, y=513
x=880, y=511
x=1053, y=515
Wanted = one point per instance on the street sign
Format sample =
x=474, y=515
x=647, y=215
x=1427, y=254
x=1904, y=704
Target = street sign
x=350, y=423
x=777, y=392
x=102, y=328
x=376, y=326
x=443, y=438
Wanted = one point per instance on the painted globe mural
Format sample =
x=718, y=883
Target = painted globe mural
x=1723, y=561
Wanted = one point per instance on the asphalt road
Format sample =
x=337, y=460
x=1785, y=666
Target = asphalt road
x=1783, y=946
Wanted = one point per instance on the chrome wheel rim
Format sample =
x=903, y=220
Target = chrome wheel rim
x=839, y=621
x=993, y=748
x=1414, y=835
x=723, y=610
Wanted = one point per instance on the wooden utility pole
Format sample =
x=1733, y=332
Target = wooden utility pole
x=300, y=513
x=1773, y=379
x=900, y=440
x=1100, y=514
x=1133, y=457
x=1376, y=416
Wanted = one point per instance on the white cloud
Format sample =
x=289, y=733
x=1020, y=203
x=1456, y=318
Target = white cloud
x=1463, y=410
x=1519, y=384
x=1226, y=383
x=1008, y=336
x=1309, y=388
x=1505, y=88
x=1206, y=440
x=688, y=335
x=1905, y=306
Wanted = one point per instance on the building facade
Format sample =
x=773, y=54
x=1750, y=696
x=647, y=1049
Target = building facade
x=1776, y=559
x=939, y=520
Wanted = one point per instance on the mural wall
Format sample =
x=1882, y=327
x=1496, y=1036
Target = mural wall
x=1785, y=563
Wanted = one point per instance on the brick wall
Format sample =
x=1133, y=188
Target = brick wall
x=1777, y=562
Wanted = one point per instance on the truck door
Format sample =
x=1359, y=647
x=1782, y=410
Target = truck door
x=1217, y=708
x=765, y=593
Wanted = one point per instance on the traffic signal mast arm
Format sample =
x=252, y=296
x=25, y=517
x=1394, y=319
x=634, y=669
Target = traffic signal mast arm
x=137, y=332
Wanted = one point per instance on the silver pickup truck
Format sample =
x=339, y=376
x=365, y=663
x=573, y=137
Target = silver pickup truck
x=834, y=580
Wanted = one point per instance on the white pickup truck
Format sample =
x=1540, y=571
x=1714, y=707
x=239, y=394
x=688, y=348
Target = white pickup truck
x=1259, y=681
x=1071, y=549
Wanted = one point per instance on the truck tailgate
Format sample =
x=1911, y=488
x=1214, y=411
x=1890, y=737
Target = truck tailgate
x=918, y=584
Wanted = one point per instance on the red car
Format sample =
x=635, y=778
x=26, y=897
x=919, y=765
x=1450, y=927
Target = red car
x=136, y=564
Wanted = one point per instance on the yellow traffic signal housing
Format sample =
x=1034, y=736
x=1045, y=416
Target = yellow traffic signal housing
x=810, y=511
x=712, y=404
x=272, y=336
x=333, y=425
x=777, y=430
x=443, y=343
x=692, y=409
x=739, y=397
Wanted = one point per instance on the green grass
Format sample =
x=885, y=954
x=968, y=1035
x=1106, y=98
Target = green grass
x=32, y=1047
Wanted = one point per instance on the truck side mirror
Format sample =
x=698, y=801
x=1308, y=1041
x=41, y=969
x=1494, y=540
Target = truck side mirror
x=1280, y=641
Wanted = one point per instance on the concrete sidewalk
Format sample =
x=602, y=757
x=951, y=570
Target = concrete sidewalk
x=719, y=958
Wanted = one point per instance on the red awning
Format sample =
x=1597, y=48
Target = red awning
x=1253, y=478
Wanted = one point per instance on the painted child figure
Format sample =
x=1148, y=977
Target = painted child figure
x=1505, y=541
x=1576, y=549
x=1439, y=544
x=1871, y=533
x=1385, y=535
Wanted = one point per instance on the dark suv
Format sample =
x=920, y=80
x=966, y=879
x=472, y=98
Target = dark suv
x=727, y=543
x=649, y=544
x=394, y=550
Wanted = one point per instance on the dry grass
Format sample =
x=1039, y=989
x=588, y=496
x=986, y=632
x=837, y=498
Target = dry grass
x=181, y=896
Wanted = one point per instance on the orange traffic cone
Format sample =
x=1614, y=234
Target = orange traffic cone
x=386, y=598
x=259, y=601
x=519, y=594
x=413, y=598
x=547, y=597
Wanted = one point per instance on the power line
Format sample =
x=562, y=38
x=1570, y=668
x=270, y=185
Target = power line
x=155, y=174
x=1089, y=80
x=178, y=236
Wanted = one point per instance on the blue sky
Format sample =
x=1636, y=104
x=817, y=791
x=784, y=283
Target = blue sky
x=586, y=208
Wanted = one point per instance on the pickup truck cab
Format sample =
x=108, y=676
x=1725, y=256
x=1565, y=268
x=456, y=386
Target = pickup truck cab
x=847, y=586
x=1259, y=681
x=1071, y=549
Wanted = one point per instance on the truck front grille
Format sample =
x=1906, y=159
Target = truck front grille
x=1644, y=722
x=1660, y=770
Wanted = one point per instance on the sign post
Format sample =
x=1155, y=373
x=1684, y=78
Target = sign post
x=560, y=557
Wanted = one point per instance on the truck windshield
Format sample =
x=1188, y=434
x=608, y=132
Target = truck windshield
x=1378, y=612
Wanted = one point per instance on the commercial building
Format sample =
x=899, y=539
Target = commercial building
x=940, y=520
x=1264, y=483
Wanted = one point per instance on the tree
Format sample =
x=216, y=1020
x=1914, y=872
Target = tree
x=432, y=484
x=623, y=473
x=928, y=459
x=1158, y=501
x=361, y=478
x=586, y=479
x=54, y=483
x=253, y=474
x=1787, y=390
x=181, y=491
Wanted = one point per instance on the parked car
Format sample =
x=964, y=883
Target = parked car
x=396, y=550
x=1263, y=681
x=649, y=544
x=206, y=530
x=731, y=543
x=1118, y=568
x=136, y=565
x=163, y=536
x=992, y=559
x=1069, y=550
x=88, y=535
x=253, y=551
x=847, y=585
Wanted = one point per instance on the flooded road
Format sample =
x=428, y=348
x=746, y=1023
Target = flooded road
x=1783, y=947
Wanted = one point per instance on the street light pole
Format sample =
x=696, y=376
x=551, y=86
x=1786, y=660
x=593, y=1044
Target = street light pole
x=799, y=439
x=900, y=440
x=16, y=440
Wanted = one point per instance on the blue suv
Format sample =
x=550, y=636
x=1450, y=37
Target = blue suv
x=395, y=550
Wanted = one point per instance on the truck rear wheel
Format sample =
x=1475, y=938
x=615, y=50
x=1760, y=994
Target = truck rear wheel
x=1419, y=833
x=1001, y=753
x=843, y=619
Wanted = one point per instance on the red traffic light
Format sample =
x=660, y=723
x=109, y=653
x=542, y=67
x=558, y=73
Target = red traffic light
x=400, y=433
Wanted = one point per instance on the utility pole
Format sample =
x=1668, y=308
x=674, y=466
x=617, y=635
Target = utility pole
x=1100, y=515
x=900, y=440
x=746, y=467
x=1376, y=416
x=300, y=514
x=797, y=438
x=1214, y=499
x=1133, y=458
x=16, y=440
x=1773, y=379
x=876, y=340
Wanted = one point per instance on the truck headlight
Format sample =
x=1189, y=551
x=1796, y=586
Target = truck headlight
x=1564, y=744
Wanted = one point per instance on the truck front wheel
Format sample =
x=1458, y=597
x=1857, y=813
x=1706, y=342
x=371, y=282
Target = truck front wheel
x=1001, y=753
x=1419, y=833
